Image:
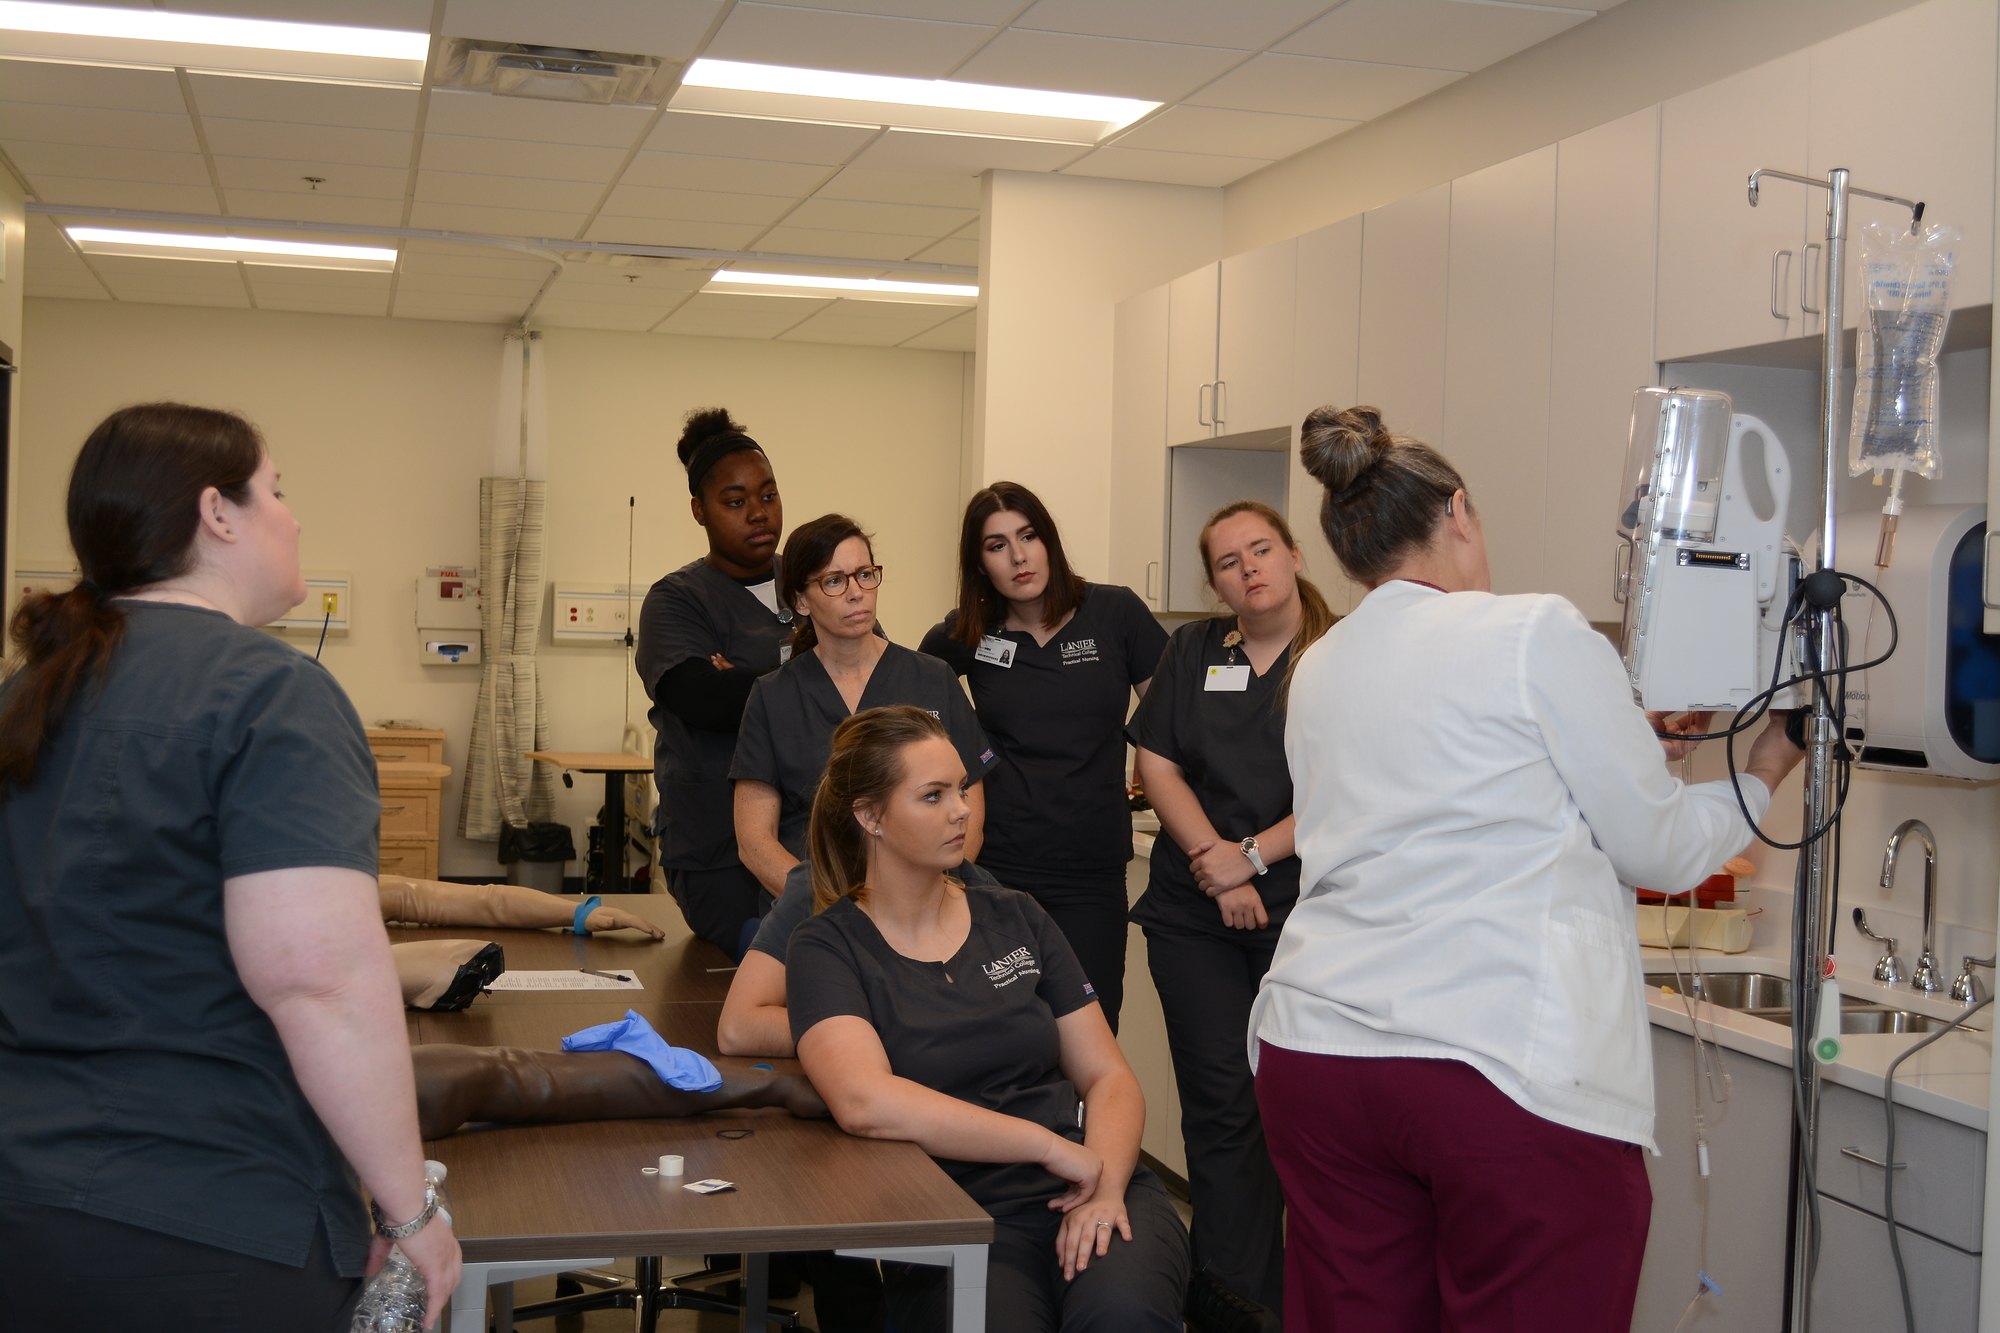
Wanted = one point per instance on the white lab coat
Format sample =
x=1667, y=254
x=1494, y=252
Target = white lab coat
x=1475, y=789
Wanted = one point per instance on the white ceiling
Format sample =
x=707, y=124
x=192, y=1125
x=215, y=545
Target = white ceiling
x=1243, y=84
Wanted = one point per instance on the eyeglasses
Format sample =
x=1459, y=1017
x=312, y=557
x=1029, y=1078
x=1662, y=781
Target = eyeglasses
x=834, y=584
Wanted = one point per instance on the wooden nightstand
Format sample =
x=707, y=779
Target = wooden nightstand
x=410, y=771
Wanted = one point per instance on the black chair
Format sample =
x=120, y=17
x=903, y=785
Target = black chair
x=646, y=1293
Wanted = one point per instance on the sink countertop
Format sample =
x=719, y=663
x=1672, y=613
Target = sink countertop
x=1950, y=1079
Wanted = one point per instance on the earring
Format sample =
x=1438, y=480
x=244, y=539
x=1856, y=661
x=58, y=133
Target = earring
x=877, y=830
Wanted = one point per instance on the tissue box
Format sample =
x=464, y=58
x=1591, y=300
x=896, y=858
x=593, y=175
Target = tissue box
x=1724, y=930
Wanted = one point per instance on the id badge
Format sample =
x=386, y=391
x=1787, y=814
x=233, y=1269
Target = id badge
x=995, y=651
x=1227, y=679
x=784, y=653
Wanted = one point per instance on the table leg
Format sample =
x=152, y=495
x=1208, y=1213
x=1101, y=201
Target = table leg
x=468, y=1303
x=967, y=1264
x=756, y=1292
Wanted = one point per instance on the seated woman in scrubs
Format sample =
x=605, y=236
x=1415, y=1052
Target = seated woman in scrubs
x=957, y=1018
x=1052, y=662
x=839, y=665
x=1210, y=738
x=1452, y=1049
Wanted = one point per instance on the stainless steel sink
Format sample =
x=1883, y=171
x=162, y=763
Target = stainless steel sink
x=1868, y=1021
x=1728, y=990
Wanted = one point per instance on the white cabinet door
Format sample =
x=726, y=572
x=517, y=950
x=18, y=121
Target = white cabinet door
x=1855, y=1285
x=1497, y=341
x=1606, y=193
x=1139, y=443
x=1191, y=303
x=1906, y=105
x=1254, y=339
x=1405, y=252
x=1718, y=283
x=1326, y=327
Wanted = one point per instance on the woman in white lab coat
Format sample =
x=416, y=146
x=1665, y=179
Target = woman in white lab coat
x=1452, y=1056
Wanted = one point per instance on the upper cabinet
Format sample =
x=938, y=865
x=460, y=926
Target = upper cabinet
x=1326, y=326
x=1729, y=274
x=1138, y=443
x=1191, y=307
x=1405, y=267
x=1229, y=355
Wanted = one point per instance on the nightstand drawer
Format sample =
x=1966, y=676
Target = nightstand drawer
x=409, y=812
x=418, y=860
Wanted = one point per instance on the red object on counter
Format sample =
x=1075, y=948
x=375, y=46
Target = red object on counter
x=1715, y=889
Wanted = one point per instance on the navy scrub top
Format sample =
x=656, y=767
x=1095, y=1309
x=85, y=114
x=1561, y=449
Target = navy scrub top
x=1056, y=716
x=692, y=613
x=1230, y=746
x=788, y=727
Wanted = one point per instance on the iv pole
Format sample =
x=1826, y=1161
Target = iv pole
x=1823, y=591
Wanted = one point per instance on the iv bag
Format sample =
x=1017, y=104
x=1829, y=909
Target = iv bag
x=1906, y=301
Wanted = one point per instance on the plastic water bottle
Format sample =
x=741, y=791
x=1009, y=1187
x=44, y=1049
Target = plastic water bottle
x=393, y=1301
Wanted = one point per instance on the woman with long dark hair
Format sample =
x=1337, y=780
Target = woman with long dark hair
x=201, y=1030
x=707, y=631
x=1210, y=739
x=1053, y=662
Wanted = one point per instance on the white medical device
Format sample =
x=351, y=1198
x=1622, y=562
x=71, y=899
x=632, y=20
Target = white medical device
x=1702, y=568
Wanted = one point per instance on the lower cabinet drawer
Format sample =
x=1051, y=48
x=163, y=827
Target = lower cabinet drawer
x=418, y=860
x=1854, y=1289
x=1940, y=1190
x=409, y=812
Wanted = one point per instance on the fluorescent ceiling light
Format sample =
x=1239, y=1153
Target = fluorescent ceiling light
x=876, y=99
x=853, y=289
x=101, y=34
x=231, y=249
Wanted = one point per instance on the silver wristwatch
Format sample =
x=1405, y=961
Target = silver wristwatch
x=1249, y=848
x=415, y=1224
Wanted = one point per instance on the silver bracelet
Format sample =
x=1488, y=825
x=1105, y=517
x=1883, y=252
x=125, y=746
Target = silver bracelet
x=411, y=1227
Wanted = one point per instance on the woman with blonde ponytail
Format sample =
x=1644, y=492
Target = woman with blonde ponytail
x=1452, y=1052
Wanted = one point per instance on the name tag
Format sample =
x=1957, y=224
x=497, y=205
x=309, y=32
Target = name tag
x=784, y=653
x=995, y=651
x=1227, y=679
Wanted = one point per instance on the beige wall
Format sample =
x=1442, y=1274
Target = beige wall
x=1628, y=57
x=1057, y=255
x=13, y=245
x=382, y=429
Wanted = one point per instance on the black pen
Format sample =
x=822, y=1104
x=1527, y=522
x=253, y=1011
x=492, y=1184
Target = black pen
x=608, y=976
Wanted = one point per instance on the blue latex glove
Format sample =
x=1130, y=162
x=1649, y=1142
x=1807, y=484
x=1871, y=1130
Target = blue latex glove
x=677, y=1067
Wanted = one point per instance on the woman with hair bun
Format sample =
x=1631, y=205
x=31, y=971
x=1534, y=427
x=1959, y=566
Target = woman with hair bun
x=1451, y=1046
x=707, y=631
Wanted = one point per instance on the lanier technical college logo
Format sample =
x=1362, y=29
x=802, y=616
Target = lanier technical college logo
x=1078, y=651
x=1004, y=972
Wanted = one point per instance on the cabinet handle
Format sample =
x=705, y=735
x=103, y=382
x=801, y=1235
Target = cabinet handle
x=1806, y=279
x=1777, y=292
x=1152, y=571
x=394, y=809
x=1621, y=565
x=1986, y=594
x=1861, y=1156
x=1221, y=402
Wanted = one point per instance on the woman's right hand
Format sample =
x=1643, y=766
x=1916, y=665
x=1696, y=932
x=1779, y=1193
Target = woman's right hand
x=1772, y=754
x=1242, y=908
x=1078, y=1165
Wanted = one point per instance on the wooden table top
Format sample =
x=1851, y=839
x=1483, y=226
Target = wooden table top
x=593, y=761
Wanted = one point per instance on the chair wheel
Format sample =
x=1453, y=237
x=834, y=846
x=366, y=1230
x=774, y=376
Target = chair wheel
x=567, y=1285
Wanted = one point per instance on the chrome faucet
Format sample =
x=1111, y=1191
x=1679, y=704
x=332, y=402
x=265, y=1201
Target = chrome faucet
x=1926, y=977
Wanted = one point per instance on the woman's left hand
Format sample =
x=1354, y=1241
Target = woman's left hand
x=1219, y=866
x=1670, y=727
x=1086, y=1233
x=1242, y=908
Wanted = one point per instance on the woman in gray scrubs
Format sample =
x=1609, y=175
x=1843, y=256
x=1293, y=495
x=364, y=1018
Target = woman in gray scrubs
x=706, y=632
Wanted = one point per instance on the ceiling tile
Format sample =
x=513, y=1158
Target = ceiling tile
x=266, y=277
x=642, y=27
x=308, y=206
x=1140, y=164
x=515, y=157
x=1438, y=34
x=322, y=303
x=451, y=306
x=1313, y=86
x=1198, y=22
x=965, y=154
x=639, y=201
x=156, y=131
x=965, y=11
x=544, y=196
x=399, y=15
x=484, y=117
x=300, y=103
x=937, y=189
x=892, y=219
x=954, y=335
x=715, y=315
x=471, y=261
x=270, y=174
x=91, y=86
x=862, y=43
x=1218, y=131
x=156, y=278
x=325, y=143
x=124, y=194
x=627, y=278
x=688, y=171
x=679, y=231
x=597, y=315
x=962, y=250
x=1155, y=71
x=839, y=244
x=65, y=289
x=758, y=138
x=457, y=284
x=122, y=164
x=523, y=222
x=868, y=323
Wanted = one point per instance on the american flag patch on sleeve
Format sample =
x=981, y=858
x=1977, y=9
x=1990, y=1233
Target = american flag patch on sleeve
x=1089, y=991
x=986, y=756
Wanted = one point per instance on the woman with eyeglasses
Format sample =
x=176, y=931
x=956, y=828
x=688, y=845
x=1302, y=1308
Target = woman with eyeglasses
x=838, y=666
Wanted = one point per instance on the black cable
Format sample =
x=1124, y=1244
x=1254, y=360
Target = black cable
x=322, y=634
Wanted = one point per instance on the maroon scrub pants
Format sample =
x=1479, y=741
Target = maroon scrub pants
x=1422, y=1197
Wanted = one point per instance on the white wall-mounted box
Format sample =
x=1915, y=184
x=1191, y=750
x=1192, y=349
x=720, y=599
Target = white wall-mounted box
x=594, y=612
x=326, y=609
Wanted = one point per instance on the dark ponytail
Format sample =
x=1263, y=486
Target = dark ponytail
x=1385, y=494
x=133, y=509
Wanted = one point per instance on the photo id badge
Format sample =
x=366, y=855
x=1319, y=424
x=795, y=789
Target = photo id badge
x=995, y=651
x=1227, y=679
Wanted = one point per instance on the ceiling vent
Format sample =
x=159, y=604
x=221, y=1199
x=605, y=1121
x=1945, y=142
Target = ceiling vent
x=552, y=73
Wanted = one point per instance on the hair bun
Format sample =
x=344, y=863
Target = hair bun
x=703, y=424
x=1338, y=445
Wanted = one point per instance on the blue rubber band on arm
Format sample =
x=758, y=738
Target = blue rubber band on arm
x=583, y=910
